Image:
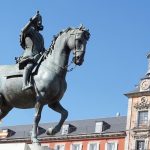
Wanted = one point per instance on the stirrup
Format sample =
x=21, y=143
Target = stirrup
x=26, y=87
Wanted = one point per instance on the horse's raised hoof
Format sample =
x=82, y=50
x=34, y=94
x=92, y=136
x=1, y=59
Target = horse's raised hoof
x=51, y=131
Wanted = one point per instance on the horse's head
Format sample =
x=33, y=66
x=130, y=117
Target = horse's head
x=77, y=42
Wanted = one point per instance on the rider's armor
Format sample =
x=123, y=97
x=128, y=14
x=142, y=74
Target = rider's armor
x=33, y=44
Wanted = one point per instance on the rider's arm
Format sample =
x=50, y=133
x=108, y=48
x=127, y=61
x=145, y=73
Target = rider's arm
x=23, y=33
x=26, y=28
x=30, y=23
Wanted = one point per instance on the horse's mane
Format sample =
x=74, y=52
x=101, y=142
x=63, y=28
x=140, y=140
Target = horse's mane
x=51, y=48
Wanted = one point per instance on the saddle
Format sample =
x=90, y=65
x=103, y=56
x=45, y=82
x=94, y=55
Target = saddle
x=18, y=70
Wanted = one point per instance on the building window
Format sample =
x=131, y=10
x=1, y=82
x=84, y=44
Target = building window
x=142, y=118
x=93, y=146
x=140, y=144
x=111, y=146
x=76, y=146
x=59, y=147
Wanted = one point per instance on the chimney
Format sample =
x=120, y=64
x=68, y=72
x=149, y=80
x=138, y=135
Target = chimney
x=118, y=114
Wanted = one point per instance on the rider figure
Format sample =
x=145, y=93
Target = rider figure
x=33, y=44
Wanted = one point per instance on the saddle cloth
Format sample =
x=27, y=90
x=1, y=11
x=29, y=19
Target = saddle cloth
x=16, y=72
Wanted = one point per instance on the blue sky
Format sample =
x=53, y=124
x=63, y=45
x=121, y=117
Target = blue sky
x=115, y=60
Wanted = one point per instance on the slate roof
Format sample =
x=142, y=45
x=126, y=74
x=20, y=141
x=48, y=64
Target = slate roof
x=80, y=127
x=136, y=91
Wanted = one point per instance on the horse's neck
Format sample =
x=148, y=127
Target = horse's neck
x=60, y=54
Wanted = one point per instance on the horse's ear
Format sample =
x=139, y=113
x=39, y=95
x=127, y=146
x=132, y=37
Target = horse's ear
x=86, y=31
x=81, y=26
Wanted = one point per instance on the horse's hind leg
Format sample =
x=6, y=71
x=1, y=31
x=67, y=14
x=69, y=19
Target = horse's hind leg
x=64, y=114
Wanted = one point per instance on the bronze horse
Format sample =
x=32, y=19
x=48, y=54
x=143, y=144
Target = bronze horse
x=49, y=81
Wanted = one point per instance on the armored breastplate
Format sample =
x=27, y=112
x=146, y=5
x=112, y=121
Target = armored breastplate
x=38, y=43
x=34, y=43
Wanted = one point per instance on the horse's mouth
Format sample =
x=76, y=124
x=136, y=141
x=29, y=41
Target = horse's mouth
x=78, y=60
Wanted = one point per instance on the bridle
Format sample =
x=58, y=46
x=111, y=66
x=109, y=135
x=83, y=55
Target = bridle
x=74, y=53
x=73, y=61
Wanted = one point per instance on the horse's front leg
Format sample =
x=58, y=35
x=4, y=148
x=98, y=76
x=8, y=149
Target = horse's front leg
x=64, y=114
x=38, y=110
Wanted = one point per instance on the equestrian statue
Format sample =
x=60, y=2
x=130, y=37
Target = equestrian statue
x=38, y=77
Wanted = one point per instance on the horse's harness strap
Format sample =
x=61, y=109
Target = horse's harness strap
x=65, y=68
x=75, y=50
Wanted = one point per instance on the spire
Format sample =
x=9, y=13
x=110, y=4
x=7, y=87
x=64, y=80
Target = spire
x=148, y=71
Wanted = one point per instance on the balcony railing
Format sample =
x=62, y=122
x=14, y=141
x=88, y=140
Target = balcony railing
x=141, y=126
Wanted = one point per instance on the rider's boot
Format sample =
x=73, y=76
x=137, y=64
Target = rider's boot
x=26, y=75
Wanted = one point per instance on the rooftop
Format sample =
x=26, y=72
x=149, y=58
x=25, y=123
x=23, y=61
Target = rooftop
x=115, y=125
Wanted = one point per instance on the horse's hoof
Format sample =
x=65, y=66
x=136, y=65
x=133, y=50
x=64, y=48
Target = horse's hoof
x=36, y=144
x=35, y=141
x=49, y=131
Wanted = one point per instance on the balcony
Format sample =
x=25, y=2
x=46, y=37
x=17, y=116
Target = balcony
x=141, y=127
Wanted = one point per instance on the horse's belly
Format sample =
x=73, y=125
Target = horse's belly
x=12, y=92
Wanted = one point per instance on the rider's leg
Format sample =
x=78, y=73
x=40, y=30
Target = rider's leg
x=26, y=75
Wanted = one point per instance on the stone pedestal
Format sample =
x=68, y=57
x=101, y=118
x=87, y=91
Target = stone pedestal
x=23, y=146
x=38, y=147
x=16, y=146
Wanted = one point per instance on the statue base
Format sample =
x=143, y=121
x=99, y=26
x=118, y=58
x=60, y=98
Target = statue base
x=16, y=146
x=23, y=146
x=38, y=147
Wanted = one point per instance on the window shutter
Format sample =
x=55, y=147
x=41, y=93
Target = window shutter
x=116, y=146
x=149, y=117
x=133, y=144
x=146, y=144
x=105, y=146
